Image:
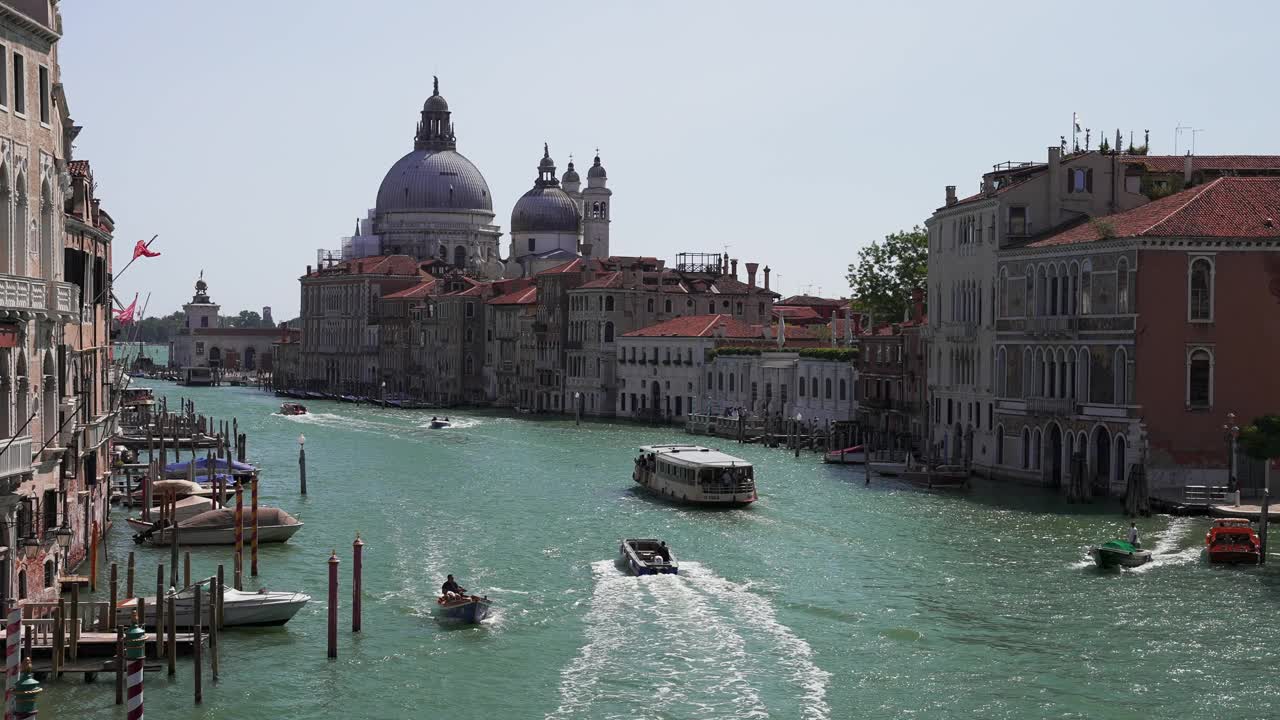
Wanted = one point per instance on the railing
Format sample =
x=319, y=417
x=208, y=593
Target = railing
x=1206, y=495
x=961, y=331
x=64, y=298
x=17, y=459
x=23, y=293
x=97, y=432
x=1051, y=406
x=1056, y=325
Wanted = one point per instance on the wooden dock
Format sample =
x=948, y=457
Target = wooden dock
x=1248, y=512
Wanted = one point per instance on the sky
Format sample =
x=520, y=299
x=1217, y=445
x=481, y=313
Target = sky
x=247, y=135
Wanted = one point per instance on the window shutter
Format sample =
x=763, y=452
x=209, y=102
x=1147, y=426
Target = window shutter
x=1071, y=187
x=1088, y=181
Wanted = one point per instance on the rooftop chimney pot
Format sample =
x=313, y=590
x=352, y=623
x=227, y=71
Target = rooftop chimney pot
x=951, y=195
x=766, y=277
x=751, y=273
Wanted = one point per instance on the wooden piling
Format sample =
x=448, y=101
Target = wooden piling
x=357, y=552
x=171, y=649
x=239, y=569
x=333, y=604
x=186, y=568
x=59, y=636
x=212, y=616
x=160, y=626
x=129, y=582
x=75, y=622
x=302, y=463
x=120, y=662
x=173, y=538
x=93, y=553
x=115, y=597
x=196, y=665
x=1264, y=520
x=253, y=534
x=221, y=594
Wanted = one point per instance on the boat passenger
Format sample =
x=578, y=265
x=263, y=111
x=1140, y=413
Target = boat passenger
x=451, y=586
x=663, y=552
x=1133, y=534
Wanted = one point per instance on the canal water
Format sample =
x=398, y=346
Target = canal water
x=829, y=598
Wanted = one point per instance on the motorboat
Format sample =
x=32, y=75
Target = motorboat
x=184, y=509
x=648, y=557
x=440, y=423
x=218, y=527
x=695, y=474
x=856, y=455
x=1233, y=541
x=937, y=476
x=239, y=609
x=1119, y=553
x=887, y=467
x=469, y=609
x=204, y=464
x=291, y=408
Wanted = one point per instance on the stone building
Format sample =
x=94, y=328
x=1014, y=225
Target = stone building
x=503, y=321
x=1113, y=336
x=203, y=340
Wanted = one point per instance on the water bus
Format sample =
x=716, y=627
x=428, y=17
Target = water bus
x=695, y=474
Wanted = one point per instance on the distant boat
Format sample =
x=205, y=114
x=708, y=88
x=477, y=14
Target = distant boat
x=695, y=474
x=239, y=609
x=465, y=608
x=290, y=408
x=440, y=423
x=1118, y=553
x=855, y=455
x=643, y=557
x=218, y=527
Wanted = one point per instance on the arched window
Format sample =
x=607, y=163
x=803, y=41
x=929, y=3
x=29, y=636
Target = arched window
x=1002, y=371
x=1086, y=288
x=1085, y=360
x=1000, y=444
x=1074, y=291
x=49, y=259
x=459, y=257
x=730, y=390
x=1122, y=286
x=649, y=305
x=1029, y=299
x=813, y=387
x=1035, y=448
x=6, y=219
x=1118, y=460
x=608, y=303
x=533, y=244
x=1201, y=281
x=843, y=389
x=801, y=385
x=827, y=387
x=1026, y=449
x=666, y=306
x=49, y=574
x=20, y=229
x=608, y=332
x=1200, y=378
x=22, y=584
x=720, y=380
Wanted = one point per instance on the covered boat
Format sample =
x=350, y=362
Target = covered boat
x=856, y=455
x=184, y=509
x=203, y=464
x=291, y=408
x=463, y=608
x=239, y=609
x=648, y=557
x=1231, y=540
x=1118, y=553
x=218, y=527
x=695, y=474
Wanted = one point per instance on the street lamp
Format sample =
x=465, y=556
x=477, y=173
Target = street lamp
x=1232, y=431
x=63, y=536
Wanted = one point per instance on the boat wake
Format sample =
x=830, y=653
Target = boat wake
x=1168, y=551
x=688, y=645
x=455, y=423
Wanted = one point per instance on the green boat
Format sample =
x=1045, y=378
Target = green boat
x=1118, y=553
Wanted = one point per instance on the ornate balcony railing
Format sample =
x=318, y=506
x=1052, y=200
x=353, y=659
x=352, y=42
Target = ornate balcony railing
x=64, y=299
x=17, y=459
x=23, y=294
x=1047, y=406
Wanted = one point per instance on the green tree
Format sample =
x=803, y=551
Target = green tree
x=246, y=319
x=887, y=272
x=1261, y=441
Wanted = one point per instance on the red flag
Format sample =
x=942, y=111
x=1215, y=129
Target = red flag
x=125, y=315
x=140, y=250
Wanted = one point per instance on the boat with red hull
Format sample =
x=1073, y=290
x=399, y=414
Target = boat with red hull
x=1232, y=541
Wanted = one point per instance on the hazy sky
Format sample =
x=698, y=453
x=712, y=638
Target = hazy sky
x=249, y=134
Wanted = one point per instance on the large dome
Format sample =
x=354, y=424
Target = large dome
x=434, y=180
x=545, y=209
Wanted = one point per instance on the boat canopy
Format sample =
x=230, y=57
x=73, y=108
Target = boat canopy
x=695, y=455
x=226, y=517
x=202, y=466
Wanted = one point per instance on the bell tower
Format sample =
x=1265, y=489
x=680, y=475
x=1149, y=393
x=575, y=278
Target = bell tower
x=435, y=129
x=596, y=200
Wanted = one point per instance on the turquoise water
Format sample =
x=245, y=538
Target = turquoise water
x=827, y=599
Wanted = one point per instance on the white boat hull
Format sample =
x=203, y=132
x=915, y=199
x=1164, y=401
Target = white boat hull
x=219, y=536
x=239, y=609
x=694, y=494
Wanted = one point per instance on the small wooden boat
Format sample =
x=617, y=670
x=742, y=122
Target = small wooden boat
x=218, y=527
x=645, y=557
x=1232, y=541
x=239, y=609
x=290, y=408
x=938, y=476
x=1118, y=553
x=464, y=608
x=440, y=423
x=856, y=455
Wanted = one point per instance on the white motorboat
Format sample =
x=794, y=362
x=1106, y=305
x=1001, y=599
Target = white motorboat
x=695, y=474
x=646, y=557
x=239, y=609
x=218, y=527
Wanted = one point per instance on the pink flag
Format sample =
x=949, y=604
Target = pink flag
x=125, y=315
x=140, y=250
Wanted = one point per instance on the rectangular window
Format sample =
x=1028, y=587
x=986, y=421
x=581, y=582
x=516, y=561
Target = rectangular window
x=4, y=77
x=44, y=95
x=1018, y=221
x=19, y=85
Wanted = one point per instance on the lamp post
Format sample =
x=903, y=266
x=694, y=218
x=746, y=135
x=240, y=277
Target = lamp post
x=63, y=536
x=577, y=408
x=1232, y=431
x=302, y=462
x=799, y=418
x=384, y=393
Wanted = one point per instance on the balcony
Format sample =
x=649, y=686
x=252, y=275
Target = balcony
x=1051, y=407
x=97, y=432
x=1059, y=326
x=64, y=299
x=16, y=460
x=25, y=297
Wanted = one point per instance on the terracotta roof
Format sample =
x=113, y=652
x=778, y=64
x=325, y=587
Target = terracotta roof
x=699, y=326
x=379, y=265
x=796, y=314
x=1176, y=163
x=609, y=280
x=420, y=290
x=1228, y=207
x=813, y=300
x=524, y=296
x=78, y=168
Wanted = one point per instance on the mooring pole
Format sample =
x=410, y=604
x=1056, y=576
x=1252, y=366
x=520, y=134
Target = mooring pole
x=135, y=647
x=253, y=532
x=302, y=462
x=357, y=551
x=333, y=604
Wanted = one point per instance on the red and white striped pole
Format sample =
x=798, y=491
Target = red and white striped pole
x=12, y=656
x=135, y=649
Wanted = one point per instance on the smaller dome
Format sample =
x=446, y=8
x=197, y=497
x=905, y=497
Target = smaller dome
x=435, y=103
x=570, y=175
x=546, y=163
x=545, y=209
x=597, y=170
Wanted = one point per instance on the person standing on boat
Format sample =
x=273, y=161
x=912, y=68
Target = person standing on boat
x=663, y=552
x=1133, y=534
x=451, y=586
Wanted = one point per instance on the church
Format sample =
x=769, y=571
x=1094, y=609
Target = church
x=435, y=206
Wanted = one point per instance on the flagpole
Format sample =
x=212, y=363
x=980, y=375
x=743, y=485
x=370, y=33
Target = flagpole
x=116, y=276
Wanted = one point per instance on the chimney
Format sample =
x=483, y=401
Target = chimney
x=1186, y=170
x=917, y=305
x=766, y=277
x=733, y=264
x=308, y=269
x=751, y=273
x=951, y=195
